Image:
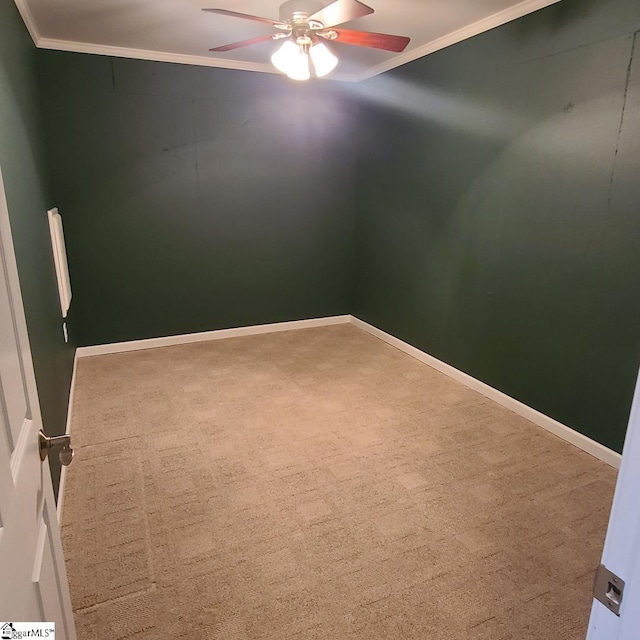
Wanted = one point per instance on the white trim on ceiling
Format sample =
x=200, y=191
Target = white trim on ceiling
x=486, y=24
x=28, y=19
x=157, y=56
x=490, y=22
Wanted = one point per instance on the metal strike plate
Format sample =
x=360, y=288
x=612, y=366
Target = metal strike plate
x=61, y=443
x=608, y=588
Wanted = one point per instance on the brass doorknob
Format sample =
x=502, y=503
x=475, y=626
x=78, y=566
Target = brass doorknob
x=62, y=443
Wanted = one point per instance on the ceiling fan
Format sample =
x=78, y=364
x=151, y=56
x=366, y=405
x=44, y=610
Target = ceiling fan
x=303, y=25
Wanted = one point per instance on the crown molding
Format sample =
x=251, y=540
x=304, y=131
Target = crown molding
x=164, y=56
x=156, y=56
x=28, y=19
x=490, y=22
x=486, y=24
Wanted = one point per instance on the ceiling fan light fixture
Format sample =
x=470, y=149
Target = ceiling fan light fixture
x=302, y=24
x=324, y=61
x=292, y=59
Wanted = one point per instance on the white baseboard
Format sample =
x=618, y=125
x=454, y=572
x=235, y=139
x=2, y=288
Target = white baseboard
x=557, y=428
x=562, y=431
x=63, y=471
x=152, y=343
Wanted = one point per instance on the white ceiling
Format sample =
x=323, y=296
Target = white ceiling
x=178, y=31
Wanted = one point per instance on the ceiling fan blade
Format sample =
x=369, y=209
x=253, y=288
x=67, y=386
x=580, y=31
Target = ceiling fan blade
x=242, y=43
x=246, y=16
x=341, y=11
x=370, y=39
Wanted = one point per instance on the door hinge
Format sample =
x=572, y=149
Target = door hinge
x=608, y=588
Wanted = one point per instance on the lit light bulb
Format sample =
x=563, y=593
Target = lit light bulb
x=283, y=57
x=292, y=59
x=324, y=61
x=299, y=66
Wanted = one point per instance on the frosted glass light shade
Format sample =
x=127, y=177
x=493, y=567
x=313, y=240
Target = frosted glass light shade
x=293, y=60
x=324, y=61
x=299, y=66
x=283, y=57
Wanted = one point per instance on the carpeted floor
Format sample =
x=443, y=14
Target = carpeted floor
x=318, y=484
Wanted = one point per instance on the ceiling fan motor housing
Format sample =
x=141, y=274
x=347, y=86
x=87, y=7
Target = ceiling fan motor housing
x=300, y=7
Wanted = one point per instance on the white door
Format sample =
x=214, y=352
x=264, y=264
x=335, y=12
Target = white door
x=33, y=580
x=621, y=553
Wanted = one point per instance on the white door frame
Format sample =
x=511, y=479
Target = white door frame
x=621, y=553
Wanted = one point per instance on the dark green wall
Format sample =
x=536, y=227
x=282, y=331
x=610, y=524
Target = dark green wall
x=498, y=204
x=493, y=184
x=29, y=195
x=198, y=199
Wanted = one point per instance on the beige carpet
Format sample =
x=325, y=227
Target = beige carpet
x=318, y=484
